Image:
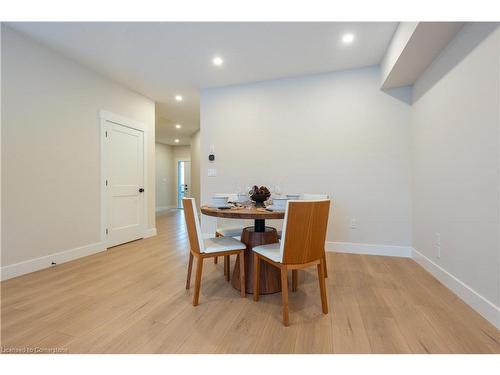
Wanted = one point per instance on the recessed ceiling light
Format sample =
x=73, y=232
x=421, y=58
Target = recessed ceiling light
x=176, y=140
x=178, y=98
x=178, y=126
x=347, y=38
x=217, y=61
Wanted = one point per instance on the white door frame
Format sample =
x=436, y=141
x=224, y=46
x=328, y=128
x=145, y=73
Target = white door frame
x=105, y=117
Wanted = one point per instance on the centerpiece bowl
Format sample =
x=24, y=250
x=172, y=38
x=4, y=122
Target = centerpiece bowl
x=259, y=195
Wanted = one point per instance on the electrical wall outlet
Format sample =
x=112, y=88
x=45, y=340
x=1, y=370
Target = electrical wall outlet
x=438, y=245
x=353, y=224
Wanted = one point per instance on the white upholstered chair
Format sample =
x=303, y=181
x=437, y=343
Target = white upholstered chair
x=234, y=231
x=228, y=231
x=209, y=248
x=302, y=245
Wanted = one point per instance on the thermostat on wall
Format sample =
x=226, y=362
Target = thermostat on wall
x=211, y=157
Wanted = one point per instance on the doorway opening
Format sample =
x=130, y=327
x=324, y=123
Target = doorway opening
x=183, y=181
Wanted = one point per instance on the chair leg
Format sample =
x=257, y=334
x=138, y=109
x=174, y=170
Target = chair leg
x=242, y=273
x=322, y=286
x=295, y=280
x=197, y=283
x=325, y=270
x=256, y=275
x=284, y=295
x=227, y=267
x=190, y=267
x=216, y=259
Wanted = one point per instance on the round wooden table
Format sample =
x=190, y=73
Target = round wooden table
x=259, y=234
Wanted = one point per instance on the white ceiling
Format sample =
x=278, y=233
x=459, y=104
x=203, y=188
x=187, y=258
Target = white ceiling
x=161, y=60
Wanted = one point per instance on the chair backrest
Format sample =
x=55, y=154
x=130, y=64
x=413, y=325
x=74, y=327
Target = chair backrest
x=193, y=225
x=304, y=231
x=307, y=196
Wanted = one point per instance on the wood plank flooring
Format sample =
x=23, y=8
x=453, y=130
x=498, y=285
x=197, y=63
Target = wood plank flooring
x=131, y=299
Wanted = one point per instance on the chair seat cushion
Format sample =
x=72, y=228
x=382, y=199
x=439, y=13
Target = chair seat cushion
x=219, y=244
x=229, y=232
x=271, y=251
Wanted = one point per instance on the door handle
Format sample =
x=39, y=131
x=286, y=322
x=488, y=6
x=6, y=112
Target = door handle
x=141, y=190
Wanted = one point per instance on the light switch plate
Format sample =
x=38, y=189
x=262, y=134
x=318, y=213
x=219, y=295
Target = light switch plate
x=212, y=172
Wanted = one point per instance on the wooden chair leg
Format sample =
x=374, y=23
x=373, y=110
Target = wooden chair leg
x=256, y=274
x=216, y=259
x=325, y=270
x=197, y=283
x=322, y=286
x=295, y=280
x=284, y=295
x=242, y=273
x=190, y=267
x=227, y=267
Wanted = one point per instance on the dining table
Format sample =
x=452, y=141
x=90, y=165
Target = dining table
x=256, y=235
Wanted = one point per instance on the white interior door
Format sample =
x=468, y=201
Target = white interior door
x=124, y=179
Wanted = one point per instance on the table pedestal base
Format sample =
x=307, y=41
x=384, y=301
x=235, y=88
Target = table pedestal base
x=270, y=278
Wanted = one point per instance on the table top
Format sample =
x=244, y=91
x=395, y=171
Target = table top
x=243, y=213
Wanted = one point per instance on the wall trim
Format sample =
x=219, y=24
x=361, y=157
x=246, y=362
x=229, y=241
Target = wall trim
x=479, y=303
x=37, y=264
x=32, y=265
x=369, y=249
x=163, y=208
x=150, y=232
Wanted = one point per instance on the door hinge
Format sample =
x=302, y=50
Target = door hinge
x=106, y=182
x=106, y=133
x=106, y=230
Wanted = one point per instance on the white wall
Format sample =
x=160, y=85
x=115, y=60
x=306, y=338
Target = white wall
x=195, y=167
x=167, y=158
x=51, y=152
x=332, y=133
x=165, y=176
x=0, y=145
x=455, y=136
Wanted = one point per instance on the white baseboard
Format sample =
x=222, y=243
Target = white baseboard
x=21, y=268
x=483, y=306
x=150, y=232
x=369, y=249
x=32, y=265
x=164, y=208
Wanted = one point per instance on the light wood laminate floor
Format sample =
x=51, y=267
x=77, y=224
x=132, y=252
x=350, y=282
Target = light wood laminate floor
x=131, y=299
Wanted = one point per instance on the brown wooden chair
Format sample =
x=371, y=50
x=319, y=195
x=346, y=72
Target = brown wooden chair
x=308, y=196
x=227, y=232
x=302, y=245
x=209, y=248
